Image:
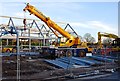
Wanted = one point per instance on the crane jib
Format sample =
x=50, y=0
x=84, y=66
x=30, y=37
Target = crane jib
x=40, y=13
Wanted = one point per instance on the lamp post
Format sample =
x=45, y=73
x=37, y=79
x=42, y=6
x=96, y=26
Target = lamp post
x=18, y=57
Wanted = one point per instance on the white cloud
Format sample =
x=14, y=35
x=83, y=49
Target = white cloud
x=95, y=25
x=77, y=24
x=102, y=26
x=24, y=14
x=19, y=14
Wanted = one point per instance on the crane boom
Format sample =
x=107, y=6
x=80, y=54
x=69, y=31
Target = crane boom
x=51, y=24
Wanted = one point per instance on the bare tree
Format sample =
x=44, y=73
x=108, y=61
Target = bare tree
x=107, y=41
x=81, y=38
x=88, y=38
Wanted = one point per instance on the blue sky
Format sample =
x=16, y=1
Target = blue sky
x=84, y=17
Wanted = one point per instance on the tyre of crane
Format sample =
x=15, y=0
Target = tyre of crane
x=68, y=53
x=8, y=51
x=82, y=53
x=14, y=50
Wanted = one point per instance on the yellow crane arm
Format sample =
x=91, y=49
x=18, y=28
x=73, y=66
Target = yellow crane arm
x=105, y=35
x=71, y=39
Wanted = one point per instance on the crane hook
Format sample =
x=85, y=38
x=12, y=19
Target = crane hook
x=24, y=22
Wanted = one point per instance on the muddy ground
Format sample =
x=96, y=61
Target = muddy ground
x=36, y=69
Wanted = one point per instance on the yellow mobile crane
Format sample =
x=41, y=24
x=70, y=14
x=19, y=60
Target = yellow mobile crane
x=51, y=24
x=71, y=40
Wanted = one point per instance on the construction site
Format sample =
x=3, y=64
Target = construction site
x=46, y=51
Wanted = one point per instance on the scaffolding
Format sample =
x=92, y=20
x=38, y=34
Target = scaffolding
x=32, y=34
x=26, y=35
